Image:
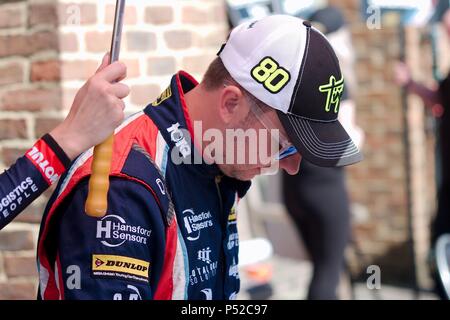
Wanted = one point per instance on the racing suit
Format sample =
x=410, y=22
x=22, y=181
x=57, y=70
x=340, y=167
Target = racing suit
x=170, y=229
x=30, y=176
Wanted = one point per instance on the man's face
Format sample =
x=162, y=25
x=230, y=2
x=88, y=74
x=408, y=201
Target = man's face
x=255, y=145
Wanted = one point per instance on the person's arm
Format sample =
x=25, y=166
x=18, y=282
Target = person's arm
x=31, y=175
x=429, y=96
x=96, y=111
x=118, y=257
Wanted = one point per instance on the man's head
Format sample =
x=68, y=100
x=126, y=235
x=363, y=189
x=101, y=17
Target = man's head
x=280, y=75
x=249, y=146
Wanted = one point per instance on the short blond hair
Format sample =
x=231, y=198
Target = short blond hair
x=217, y=75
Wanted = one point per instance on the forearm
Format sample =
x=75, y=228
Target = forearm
x=29, y=177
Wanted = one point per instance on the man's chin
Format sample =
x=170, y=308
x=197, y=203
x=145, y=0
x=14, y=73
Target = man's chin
x=246, y=175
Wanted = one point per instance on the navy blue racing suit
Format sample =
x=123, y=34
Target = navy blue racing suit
x=170, y=230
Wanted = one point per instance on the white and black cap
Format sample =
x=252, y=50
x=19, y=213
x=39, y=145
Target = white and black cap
x=289, y=65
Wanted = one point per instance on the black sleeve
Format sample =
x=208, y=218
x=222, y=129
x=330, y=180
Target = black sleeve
x=29, y=177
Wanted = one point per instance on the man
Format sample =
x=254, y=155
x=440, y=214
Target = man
x=96, y=111
x=170, y=231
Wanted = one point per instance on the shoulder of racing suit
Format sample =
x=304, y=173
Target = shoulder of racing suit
x=132, y=162
x=142, y=146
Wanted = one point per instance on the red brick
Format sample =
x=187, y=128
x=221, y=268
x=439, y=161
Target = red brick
x=25, y=45
x=43, y=40
x=140, y=41
x=45, y=125
x=77, y=13
x=98, y=41
x=178, y=39
x=16, y=240
x=10, y=156
x=11, y=17
x=46, y=71
x=161, y=66
x=11, y=73
x=78, y=69
x=133, y=70
x=31, y=100
x=42, y=13
x=13, y=129
x=213, y=39
x=197, y=64
x=23, y=290
x=84, y=69
x=32, y=214
x=129, y=18
x=15, y=45
x=159, y=15
x=68, y=42
x=219, y=13
x=142, y=95
x=20, y=266
x=195, y=15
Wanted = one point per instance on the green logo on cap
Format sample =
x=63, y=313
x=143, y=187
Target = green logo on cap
x=334, y=91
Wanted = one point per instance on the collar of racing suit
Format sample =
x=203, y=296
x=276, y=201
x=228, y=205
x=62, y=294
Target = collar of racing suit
x=182, y=83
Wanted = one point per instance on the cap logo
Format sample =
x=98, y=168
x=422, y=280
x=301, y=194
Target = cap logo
x=269, y=73
x=334, y=90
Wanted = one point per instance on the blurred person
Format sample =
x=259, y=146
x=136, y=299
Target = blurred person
x=171, y=227
x=317, y=198
x=95, y=112
x=438, y=100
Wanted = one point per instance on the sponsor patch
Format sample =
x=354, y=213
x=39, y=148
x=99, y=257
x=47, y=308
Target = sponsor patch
x=232, y=216
x=120, y=267
x=194, y=223
x=163, y=97
x=45, y=160
x=113, y=231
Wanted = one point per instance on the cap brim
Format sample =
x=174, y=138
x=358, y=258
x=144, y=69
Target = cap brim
x=324, y=144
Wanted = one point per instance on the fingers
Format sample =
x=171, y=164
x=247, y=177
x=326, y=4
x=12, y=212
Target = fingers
x=120, y=90
x=401, y=73
x=104, y=64
x=114, y=72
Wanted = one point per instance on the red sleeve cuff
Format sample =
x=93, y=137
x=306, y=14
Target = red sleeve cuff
x=48, y=159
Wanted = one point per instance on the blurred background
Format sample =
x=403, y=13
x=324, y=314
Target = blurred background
x=49, y=48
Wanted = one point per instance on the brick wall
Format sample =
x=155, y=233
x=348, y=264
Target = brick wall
x=378, y=184
x=48, y=48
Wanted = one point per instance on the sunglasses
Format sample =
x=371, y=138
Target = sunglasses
x=287, y=149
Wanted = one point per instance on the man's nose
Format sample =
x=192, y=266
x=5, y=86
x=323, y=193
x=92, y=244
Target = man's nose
x=291, y=164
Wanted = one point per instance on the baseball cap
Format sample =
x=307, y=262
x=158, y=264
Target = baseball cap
x=289, y=65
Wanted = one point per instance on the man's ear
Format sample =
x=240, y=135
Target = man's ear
x=232, y=108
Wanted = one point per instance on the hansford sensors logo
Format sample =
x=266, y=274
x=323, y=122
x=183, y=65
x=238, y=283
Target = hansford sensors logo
x=194, y=223
x=114, y=231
